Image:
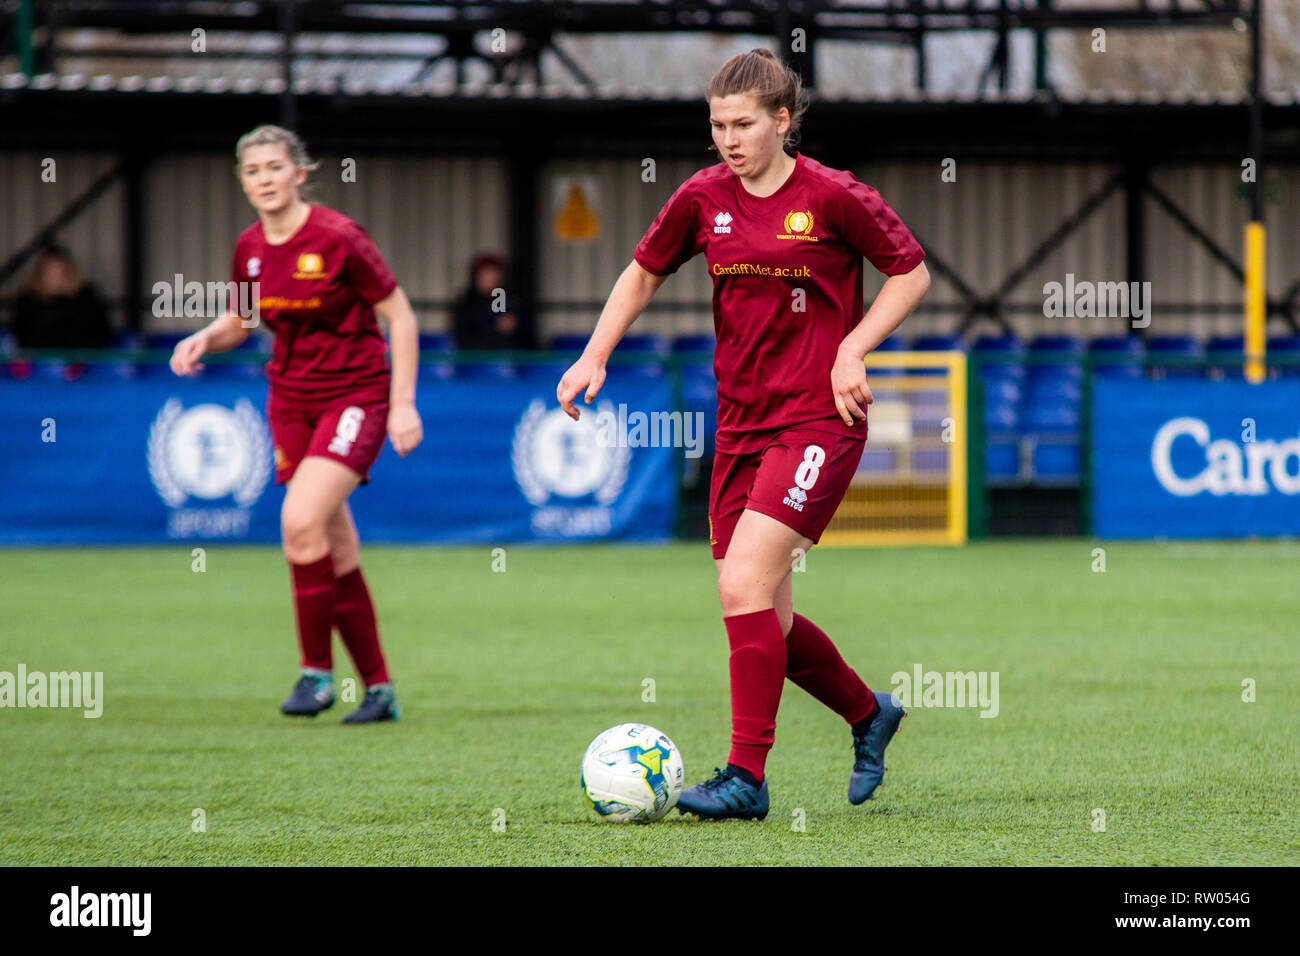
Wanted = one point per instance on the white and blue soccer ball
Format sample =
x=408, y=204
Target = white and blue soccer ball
x=632, y=773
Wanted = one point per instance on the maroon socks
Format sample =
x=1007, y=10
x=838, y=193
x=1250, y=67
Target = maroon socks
x=816, y=666
x=313, y=602
x=355, y=616
x=758, y=662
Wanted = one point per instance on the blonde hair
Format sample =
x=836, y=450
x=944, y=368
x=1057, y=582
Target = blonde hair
x=269, y=135
x=771, y=82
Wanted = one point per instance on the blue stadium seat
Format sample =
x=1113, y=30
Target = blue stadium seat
x=694, y=344
x=1002, y=420
x=1053, y=390
x=550, y=372
x=892, y=343
x=1225, y=355
x=935, y=343
x=1002, y=462
x=1181, y=347
x=1117, y=356
x=1051, y=416
x=1057, y=345
x=652, y=344
x=938, y=343
x=109, y=371
x=165, y=341
x=1001, y=391
x=1286, y=347
x=1000, y=356
x=1056, y=462
x=569, y=343
x=127, y=340
x=486, y=371
x=1069, y=370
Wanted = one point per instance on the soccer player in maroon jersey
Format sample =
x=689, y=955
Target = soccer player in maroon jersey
x=784, y=238
x=331, y=399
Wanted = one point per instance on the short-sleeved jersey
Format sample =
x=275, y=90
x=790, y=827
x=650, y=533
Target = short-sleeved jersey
x=316, y=293
x=787, y=286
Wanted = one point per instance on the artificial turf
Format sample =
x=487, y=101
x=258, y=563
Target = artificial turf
x=1119, y=691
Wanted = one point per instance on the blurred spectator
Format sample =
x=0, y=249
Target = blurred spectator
x=486, y=316
x=58, y=308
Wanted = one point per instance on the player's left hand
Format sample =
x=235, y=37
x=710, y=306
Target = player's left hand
x=404, y=428
x=849, y=385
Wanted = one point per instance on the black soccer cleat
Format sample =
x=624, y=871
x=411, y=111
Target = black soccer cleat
x=869, y=749
x=380, y=704
x=313, y=693
x=725, y=797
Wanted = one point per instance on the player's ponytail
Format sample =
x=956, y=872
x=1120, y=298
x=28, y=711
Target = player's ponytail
x=269, y=135
x=770, y=81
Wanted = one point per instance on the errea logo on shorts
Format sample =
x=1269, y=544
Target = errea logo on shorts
x=805, y=476
x=722, y=224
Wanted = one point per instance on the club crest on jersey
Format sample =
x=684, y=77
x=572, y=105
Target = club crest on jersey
x=254, y=267
x=310, y=266
x=798, y=225
x=722, y=224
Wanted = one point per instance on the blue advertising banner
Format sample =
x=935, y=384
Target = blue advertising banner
x=1195, y=458
x=159, y=459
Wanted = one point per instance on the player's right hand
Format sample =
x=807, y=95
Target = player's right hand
x=188, y=351
x=588, y=373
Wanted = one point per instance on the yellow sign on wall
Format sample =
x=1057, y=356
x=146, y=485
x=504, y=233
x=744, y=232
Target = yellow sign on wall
x=576, y=218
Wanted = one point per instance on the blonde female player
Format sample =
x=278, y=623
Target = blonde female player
x=330, y=400
x=784, y=238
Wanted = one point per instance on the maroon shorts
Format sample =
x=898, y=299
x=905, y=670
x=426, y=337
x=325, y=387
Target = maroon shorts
x=349, y=430
x=799, y=478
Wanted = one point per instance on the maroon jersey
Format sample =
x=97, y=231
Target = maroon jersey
x=787, y=287
x=317, y=293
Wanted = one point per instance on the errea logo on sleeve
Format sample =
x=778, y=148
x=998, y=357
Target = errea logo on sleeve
x=722, y=224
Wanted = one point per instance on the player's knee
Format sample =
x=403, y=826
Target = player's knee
x=738, y=589
x=302, y=531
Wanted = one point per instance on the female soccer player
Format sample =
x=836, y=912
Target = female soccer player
x=784, y=238
x=319, y=282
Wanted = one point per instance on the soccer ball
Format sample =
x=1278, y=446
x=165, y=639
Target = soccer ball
x=632, y=773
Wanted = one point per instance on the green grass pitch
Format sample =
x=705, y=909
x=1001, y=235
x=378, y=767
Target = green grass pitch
x=1119, y=691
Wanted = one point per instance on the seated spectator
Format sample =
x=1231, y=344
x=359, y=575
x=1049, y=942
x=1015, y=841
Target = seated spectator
x=484, y=319
x=58, y=308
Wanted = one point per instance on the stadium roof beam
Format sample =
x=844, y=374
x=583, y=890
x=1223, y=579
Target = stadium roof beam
x=458, y=22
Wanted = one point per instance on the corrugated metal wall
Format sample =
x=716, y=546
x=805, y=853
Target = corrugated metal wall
x=625, y=205
x=983, y=226
x=431, y=215
x=28, y=204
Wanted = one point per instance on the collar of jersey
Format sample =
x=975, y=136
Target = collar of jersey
x=747, y=196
